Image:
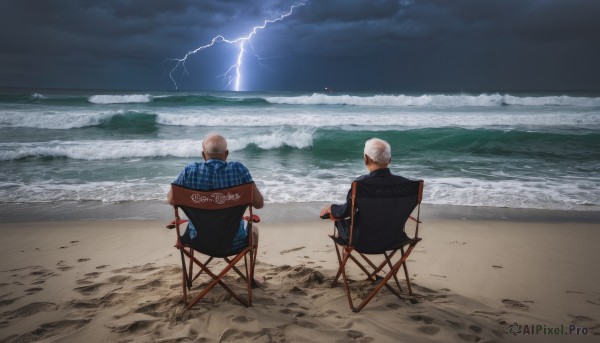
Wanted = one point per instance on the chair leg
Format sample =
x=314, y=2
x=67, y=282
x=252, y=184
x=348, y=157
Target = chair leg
x=184, y=279
x=217, y=280
x=406, y=272
x=191, y=272
x=345, y=278
x=387, y=258
x=250, y=275
x=339, y=273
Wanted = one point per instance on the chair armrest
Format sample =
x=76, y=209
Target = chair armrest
x=171, y=225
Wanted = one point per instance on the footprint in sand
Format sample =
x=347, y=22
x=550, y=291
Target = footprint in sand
x=62, y=266
x=354, y=334
x=581, y=321
x=517, y=305
x=29, y=309
x=6, y=302
x=297, y=291
x=154, y=309
x=423, y=318
x=49, y=330
x=33, y=290
x=455, y=325
x=475, y=328
x=119, y=279
x=83, y=260
x=429, y=329
x=84, y=305
x=241, y=319
x=41, y=273
x=497, y=267
x=291, y=250
x=132, y=324
x=150, y=285
x=102, y=266
x=469, y=337
x=90, y=289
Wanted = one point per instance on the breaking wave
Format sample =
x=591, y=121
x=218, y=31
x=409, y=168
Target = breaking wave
x=117, y=149
x=120, y=99
x=434, y=100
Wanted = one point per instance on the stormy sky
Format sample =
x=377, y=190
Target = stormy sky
x=369, y=45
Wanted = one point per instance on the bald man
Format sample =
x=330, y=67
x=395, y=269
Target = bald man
x=216, y=173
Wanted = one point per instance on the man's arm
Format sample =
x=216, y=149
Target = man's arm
x=257, y=198
x=170, y=196
x=339, y=211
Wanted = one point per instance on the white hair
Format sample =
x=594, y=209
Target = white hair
x=214, y=143
x=378, y=150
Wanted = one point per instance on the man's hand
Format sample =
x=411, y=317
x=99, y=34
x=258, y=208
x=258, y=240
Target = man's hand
x=326, y=212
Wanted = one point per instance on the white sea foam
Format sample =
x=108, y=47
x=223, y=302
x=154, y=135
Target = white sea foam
x=286, y=188
x=100, y=150
x=381, y=119
x=55, y=119
x=58, y=119
x=349, y=118
x=120, y=99
x=37, y=96
x=118, y=149
x=105, y=191
x=542, y=194
x=434, y=100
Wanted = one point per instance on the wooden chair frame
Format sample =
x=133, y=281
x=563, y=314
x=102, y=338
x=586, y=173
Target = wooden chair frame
x=344, y=254
x=214, y=200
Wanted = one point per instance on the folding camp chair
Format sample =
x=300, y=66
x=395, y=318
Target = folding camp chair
x=216, y=216
x=379, y=213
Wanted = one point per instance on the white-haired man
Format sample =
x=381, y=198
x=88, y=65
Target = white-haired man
x=377, y=157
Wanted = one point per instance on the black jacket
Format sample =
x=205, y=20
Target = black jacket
x=376, y=177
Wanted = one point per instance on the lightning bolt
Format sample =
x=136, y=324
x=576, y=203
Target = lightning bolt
x=241, y=42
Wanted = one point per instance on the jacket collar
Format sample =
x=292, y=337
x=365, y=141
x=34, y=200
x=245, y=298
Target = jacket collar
x=381, y=172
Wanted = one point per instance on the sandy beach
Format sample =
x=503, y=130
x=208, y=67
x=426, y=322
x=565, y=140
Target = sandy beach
x=119, y=280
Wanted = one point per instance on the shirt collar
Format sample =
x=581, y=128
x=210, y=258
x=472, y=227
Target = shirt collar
x=215, y=161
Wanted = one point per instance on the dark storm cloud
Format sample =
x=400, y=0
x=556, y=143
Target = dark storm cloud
x=351, y=44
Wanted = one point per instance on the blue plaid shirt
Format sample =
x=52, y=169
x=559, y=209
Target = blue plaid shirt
x=215, y=174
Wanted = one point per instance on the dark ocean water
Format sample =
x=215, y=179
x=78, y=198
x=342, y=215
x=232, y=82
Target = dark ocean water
x=521, y=150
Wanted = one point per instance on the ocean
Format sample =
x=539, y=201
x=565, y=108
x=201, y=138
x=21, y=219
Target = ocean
x=497, y=149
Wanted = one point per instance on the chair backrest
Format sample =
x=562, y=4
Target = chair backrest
x=215, y=214
x=380, y=213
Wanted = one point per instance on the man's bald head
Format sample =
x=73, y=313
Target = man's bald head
x=214, y=146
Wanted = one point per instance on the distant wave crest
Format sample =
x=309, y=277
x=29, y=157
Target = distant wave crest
x=37, y=96
x=120, y=99
x=434, y=100
x=61, y=120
